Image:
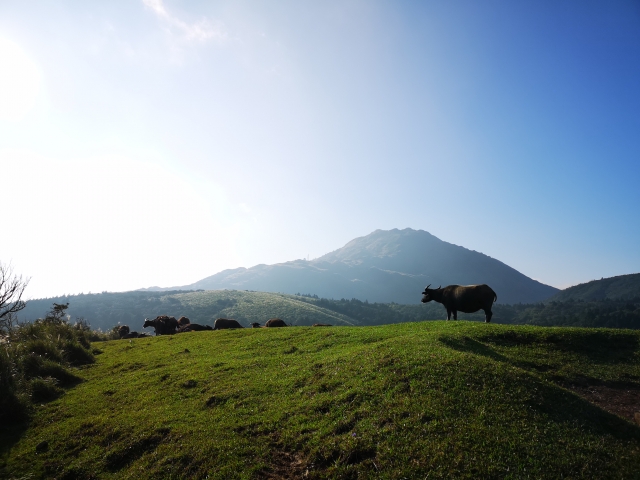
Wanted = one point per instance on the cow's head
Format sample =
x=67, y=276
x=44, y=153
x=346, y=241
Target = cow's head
x=427, y=295
x=148, y=323
x=255, y=325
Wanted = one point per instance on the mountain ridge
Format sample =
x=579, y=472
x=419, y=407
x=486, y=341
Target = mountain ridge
x=620, y=287
x=384, y=266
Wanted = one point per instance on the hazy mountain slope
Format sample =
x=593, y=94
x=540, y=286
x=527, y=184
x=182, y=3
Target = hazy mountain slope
x=613, y=288
x=385, y=266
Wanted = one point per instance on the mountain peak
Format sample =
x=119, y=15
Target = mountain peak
x=380, y=244
x=384, y=266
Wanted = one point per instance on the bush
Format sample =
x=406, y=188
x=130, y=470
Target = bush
x=35, y=361
x=76, y=354
x=44, y=389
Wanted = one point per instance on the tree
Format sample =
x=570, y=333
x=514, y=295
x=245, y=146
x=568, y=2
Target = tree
x=11, y=289
x=57, y=313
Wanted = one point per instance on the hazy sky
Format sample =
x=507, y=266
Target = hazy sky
x=157, y=142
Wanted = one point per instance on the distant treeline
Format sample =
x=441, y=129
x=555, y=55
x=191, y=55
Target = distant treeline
x=130, y=308
x=574, y=313
x=571, y=313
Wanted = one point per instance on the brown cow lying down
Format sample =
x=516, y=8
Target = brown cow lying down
x=123, y=332
x=182, y=321
x=193, y=327
x=275, y=322
x=256, y=325
x=163, y=325
x=223, y=323
x=322, y=325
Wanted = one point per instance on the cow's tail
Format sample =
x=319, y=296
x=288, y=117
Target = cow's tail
x=495, y=297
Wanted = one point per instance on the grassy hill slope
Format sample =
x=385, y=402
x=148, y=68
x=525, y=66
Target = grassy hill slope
x=444, y=399
x=622, y=287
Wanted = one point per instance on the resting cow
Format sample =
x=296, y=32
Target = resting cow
x=182, y=321
x=123, y=332
x=163, y=325
x=193, y=327
x=275, y=322
x=467, y=299
x=255, y=325
x=224, y=323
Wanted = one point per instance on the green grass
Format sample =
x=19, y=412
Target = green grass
x=414, y=400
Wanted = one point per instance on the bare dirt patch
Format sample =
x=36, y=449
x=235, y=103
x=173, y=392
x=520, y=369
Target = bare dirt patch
x=621, y=400
x=286, y=465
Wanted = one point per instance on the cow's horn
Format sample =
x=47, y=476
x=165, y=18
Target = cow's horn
x=427, y=287
x=439, y=287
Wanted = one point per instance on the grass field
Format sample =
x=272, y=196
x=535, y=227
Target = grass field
x=413, y=400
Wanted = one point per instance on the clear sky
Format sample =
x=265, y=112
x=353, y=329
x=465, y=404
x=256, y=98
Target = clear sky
x=157, y=142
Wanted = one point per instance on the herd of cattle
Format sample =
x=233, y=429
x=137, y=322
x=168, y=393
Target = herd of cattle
x=166, y=325
x=455, y=298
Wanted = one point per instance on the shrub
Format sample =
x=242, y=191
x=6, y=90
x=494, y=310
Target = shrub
x=35, y=361
x=77, y=354
x=44, y=389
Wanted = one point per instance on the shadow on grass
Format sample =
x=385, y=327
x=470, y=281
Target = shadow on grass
x=556, y=403
x=10, y=435
x=604, y=347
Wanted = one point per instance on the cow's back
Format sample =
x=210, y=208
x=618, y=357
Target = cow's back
x=275, y=322
x=222, y=323
x=470, y=298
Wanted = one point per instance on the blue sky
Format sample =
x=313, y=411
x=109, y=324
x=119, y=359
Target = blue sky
x=156, y=142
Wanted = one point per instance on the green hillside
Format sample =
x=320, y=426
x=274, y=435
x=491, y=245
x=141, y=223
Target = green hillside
x=623, y=287
x=414, y=400
x=105, y=310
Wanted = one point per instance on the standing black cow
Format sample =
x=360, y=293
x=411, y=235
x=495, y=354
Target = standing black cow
x=163, y=324
x=467, y=299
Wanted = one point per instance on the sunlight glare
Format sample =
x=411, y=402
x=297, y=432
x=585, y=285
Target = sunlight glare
x=19, y=82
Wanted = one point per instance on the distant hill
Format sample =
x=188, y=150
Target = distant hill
x=622, y=287
x=384, y=266
x=104, y=310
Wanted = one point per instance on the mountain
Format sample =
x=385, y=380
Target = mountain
x=384, y=266
x=621, y=287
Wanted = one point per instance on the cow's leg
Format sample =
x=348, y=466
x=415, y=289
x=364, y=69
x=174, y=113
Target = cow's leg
x=487, y=316
x=448, y=314
x=455, y=314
